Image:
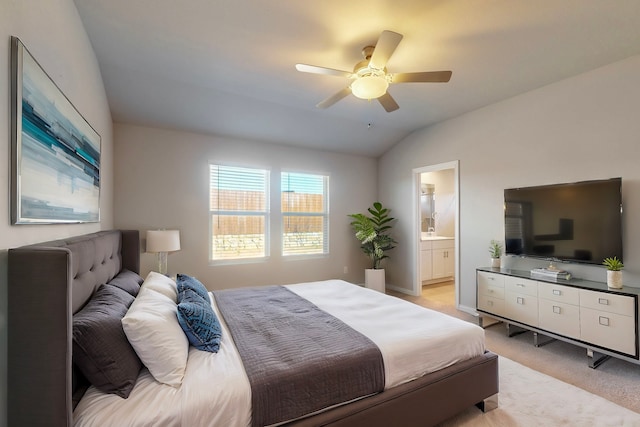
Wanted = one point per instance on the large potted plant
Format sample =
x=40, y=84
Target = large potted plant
x=372, y=232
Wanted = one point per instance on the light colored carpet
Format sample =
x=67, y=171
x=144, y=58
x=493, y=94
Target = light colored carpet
x=530, y=399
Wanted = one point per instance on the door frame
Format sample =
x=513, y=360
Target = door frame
x=455, y=164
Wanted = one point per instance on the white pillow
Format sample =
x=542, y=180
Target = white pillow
x=161, y=283
x=152, y=328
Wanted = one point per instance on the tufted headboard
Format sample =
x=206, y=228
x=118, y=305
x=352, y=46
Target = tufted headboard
x=48, y=283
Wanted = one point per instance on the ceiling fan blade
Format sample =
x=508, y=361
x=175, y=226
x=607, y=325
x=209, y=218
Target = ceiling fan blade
x=386, y=45
x=388, y=103
x=427, y=76
x=322, y=70
x=334, y=98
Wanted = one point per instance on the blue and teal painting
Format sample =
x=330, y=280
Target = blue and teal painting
x=59, y=155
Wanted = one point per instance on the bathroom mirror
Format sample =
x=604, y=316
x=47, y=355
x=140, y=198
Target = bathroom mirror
x=427, y=208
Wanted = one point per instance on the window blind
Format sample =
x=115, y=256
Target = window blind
x=305, y=214
x=239, y=212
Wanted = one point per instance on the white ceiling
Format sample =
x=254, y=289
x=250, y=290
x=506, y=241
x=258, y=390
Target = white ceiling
x=227, y=67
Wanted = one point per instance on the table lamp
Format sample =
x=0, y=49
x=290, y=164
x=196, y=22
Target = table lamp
x=162, y=242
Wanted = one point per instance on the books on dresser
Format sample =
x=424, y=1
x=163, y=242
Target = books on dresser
x=551, y=273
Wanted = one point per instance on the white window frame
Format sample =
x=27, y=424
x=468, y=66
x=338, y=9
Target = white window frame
x=324, y=214
x=226, y=212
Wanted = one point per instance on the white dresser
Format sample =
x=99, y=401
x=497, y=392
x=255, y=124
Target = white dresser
x=585, y=313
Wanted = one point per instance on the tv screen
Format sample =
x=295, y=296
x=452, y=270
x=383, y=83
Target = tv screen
x=577, y=222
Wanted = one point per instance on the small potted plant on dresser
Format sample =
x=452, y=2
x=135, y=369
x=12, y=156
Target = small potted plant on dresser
x=614, y=272
x=495, y=249
x=372, y=232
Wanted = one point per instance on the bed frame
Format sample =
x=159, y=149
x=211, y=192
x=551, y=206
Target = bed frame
x=51, y=281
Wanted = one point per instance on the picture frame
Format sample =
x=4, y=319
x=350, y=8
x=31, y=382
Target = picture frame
x=55, y=153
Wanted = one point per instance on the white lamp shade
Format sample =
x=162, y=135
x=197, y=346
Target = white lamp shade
x=369, y=87
x=163, y=240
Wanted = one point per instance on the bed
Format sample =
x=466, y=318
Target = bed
x=52, y=281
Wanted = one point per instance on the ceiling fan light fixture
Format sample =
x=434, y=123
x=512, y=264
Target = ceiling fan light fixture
x=370, y=86
x=370, y=79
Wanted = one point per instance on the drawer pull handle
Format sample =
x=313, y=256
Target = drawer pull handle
x=604, y=321
x=557, y=292
x=603, y=301
x=491, y=278
x=520, y=285
x=557, y=310
x=490, y=291
x=520, y=300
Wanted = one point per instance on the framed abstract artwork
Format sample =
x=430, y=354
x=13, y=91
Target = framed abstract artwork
x=55, y=153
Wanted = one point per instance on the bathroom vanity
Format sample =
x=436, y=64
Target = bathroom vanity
x=437, y=258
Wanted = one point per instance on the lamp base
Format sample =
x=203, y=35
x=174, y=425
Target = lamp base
x=162, y=263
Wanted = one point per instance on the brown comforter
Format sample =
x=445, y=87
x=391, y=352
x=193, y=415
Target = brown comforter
x=299, y=359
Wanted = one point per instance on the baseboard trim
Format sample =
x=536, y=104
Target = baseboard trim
x=401, y=290
x=469, y=310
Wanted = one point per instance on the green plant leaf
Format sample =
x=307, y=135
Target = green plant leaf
x=372, y=230
x=495, y=249
x=613, y=264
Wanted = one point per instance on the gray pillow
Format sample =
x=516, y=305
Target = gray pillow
x=127, y=281
x=100, y=347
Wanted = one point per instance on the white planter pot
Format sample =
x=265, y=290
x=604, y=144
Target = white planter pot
x=374, y=279
x=495, y=262
x=614, y=279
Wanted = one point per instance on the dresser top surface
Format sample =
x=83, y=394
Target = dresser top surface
x=577, y=283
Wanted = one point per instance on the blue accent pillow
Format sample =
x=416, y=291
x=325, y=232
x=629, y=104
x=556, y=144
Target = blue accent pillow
x=198, y=321
x=187, y=282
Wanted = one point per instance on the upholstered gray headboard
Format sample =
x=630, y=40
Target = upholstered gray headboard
x=48, y=283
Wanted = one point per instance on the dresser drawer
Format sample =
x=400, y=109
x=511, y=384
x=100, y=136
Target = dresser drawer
x=491, y=305
x=565, y=294
x=609, y=330
x=490, y=279
x=491, y=290
x=559, y=317
x=521, y=286
x=521, y=308
x=610, y=303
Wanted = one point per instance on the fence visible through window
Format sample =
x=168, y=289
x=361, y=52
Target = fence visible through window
x=304, y=205
x=239, y=212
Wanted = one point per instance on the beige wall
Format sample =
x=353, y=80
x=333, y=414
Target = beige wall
x=162, y=180
x=53, y=33
x=582, y=128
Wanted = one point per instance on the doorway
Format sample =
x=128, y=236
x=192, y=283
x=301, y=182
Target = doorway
x=436, y=226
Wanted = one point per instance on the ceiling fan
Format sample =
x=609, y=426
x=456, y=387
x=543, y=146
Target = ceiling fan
x=370, y=78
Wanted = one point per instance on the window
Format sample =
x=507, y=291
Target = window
x=305, y=214
x=239, y=212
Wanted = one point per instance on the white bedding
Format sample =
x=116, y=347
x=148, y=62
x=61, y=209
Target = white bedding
x=215, y=391
x=413, y=340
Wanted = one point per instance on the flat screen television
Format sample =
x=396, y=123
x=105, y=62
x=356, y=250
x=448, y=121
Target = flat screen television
x=576, y=222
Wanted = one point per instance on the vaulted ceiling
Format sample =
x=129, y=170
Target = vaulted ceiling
x=227, y=67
